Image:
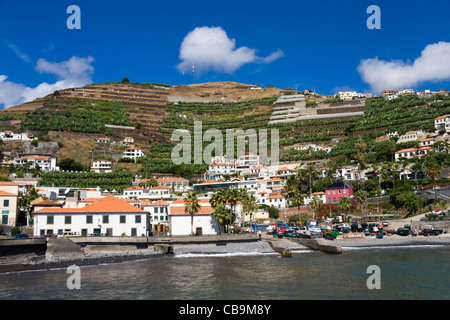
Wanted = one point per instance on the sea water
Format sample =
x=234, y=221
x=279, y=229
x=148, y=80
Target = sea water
x=405, y=273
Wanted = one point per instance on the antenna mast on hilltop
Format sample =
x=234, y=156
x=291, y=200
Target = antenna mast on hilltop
x=192, y=73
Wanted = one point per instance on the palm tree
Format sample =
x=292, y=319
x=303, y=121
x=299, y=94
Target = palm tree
x=345, y=204
x=250, y=206
x=297, y=200
x=291, y=186
x=191, y=206
x=220, y=197
x=360, y=197
x=222, y=215
x=312, y=173
x=433, y=171
x=233, y=196
x=316, y=204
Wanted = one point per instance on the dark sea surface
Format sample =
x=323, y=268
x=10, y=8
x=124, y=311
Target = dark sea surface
x=405, y=273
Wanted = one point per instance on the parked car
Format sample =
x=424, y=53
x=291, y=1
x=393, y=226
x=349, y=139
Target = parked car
x=70, y=234
x=48, y=236
x=21, y=236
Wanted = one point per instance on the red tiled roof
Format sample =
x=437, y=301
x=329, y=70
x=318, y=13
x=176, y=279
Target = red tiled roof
x=204, y=210
x=4, y=193
x=109, y=204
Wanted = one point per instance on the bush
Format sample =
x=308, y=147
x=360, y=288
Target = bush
x=14, y=231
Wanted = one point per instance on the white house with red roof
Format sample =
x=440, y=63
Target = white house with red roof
x=439, y=122
x=109, y=215
x=320, y=194
x=412, y=153
x=203, y=222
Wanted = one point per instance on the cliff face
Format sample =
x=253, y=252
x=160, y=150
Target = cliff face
x=42, y=148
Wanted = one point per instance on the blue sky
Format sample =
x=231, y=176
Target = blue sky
x=288, y=44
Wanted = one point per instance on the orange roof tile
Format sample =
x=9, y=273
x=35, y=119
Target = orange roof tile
x=4, y=193
x=160, y=203
x=204, y=210
x=109, y=204
x=275, y=196
x=285, y=169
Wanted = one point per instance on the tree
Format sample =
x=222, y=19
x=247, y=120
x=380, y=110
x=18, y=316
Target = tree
x=191, y=206
x=412, y=203
x=125, y=80
x=250, y=205
x=360, y=197
x=316, y=204
x=432, y=170
x=345, y=205
x=25, y=203
x=274, y=213
x=297, y=200
x=222, y=215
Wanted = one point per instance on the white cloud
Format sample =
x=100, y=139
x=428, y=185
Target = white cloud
x=432, y=66
x=75, y=72
x=19, y=53
x=210, y=49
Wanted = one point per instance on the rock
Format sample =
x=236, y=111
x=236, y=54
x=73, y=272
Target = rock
x=287, y=253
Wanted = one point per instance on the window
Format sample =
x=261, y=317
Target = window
x=68, y=219
x=122, y=219
x=137, y=218
x=88, y=219
x=161, y=210
x=105, y=219
x=49, y=219
x=6, y=203
x=161, y=218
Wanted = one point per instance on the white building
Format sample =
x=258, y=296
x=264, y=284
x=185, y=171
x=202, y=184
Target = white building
x=203, y=222
x=110, y=215
x=44, y=163
x=11, y=136
x=276, y=200
x=321, y=195
x=132, y=153
x=217, y=171
x=348, y=95
x=101, y=166
x=158, y=214
x=408, y=136
x=177, y=184
x=159, y=192
x=405, y=92
x=133, y=192
x=412, y=153
x=439, y=122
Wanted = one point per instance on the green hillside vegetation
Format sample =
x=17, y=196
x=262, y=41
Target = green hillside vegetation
x=77, y=115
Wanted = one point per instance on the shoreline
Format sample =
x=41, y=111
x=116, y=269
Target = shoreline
x=266, y=246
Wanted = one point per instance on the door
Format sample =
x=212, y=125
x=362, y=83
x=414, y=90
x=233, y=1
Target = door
x=5, y=219
x=198, y=231
x=109, y=232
